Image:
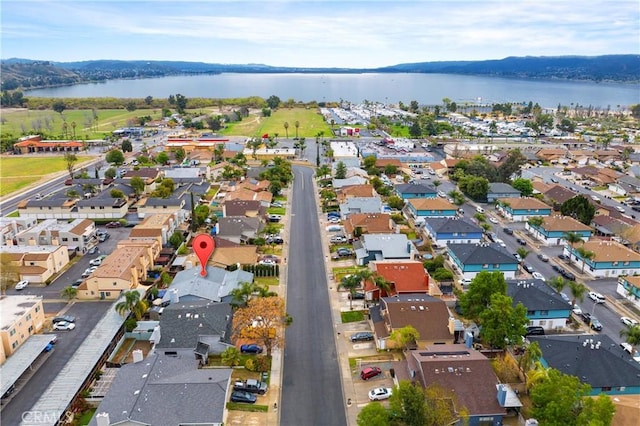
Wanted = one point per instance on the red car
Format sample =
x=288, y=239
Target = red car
x=113, y=225
x=370, y=372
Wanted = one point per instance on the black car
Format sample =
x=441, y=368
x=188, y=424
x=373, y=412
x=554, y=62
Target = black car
x=363, y=336
x=562, y=256
x=557, y=268
x=595, y=324
x=535, y=330
x=64, y=318
x=529, y=268
x=356, y=296
x=508, y=231
x=568, y=275
x=274, y=240
x=586, y=317
x=521, y=241
x=242, y=396
x=344, y=252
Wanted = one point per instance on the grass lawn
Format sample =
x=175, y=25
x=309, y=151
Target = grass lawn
x=266, y=280
x=239, y=406
x=352, y=316
x=86, y=416
x=20, y=171
x=311, y=122
x=276, y=210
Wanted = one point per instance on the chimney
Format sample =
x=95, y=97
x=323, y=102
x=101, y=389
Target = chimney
x=137, y=355
x=102, y=419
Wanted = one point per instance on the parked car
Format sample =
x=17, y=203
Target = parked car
x=565, y=297
x=529, y=268
x=543, y=257
x=568, y=275
x=93, y=250
x=335, y=220
x=493, y=220
x=629, y=321
x=577, y=310
x=64, y=326
x=508, y=231
x=521, y=241
x=103, y=237
x=334, y=228
x=337, y=239
x=595, y=324
x=251, y=349
x=538, y=276
x=356, y=296
x=378, y=394
x=362, y=336
x=596, y=297
x=22, y=284
x=344, y=252
x=242, y=396
x=64, y=318
x=535, y=330
x=554, y=180
x=274, y=240
x=113, y=225
x=274, y=217
x=557, y=268
x=267, y=262
x=96, y=262
x=277, y=204
x=562, y=256
x=77, y=283
x=518, y=257
x=492, y=236
x=370, y=372
x=501, y=243
x=333, y=214
x=479, y=209
x=251, y=386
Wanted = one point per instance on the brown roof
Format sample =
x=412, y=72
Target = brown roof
x=564, y=224
x=559, y=194
x=405, y=276
x=432, y=321
x=145, y=233
x=81, y=227
x=243, y=208
x=364, y=190
x=247, y=194
x=451, y=162
x=383, y=162
x=27, y=270
x=551, y=153
x=221, y=242
x=370, y=223
x=436, y=166
x=431, y=204
x=36, y=256
x=527, y=203
x=145, y=173
x=540, y=186
x=610, y=251
x=226, y=256
x=634, y=281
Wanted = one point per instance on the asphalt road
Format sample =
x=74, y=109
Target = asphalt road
x=312, y=386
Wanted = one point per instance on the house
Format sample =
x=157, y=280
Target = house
x=189, y=285
x=540, y=187
x=124, y=269
x=408, y=276
x=365, y=191
x=466, y=374
x=422, y=208
x=382, y=163
x=165, y=390
x=34, y=143
x=77, y=234
x=625, y=185
x=607, y=226
x=384, y=247
x=357, y=224
x=545, y=307
x=217, y=171
x=499, y=190
x=203, y=325
x=12, y=226
x=553, y=155
x=610, y=258
x=576, y=355
x=428, y=315
x=239, y=229
x=49, y=208
x=554, y=229
x=241, y=193
x=37, y=264
x=360, y=205
x=151, y=205
x=22, y=316
x=557, y=195
x=629, y=288
x=469, y=259
x=521, y=209
x=415, y=190
x=447, y=230
x=102, y=206
x=355, y=180
x=159, y=226
x=248, y=208
x=227, y=253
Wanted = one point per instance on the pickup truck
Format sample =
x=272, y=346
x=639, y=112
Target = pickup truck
x=250, y=385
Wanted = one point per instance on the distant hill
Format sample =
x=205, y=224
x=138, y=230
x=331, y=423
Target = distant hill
x=27, y=73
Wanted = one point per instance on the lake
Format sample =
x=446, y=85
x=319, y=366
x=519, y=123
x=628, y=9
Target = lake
x=427, y=89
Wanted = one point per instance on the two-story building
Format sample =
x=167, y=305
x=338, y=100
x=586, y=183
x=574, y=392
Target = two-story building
x=408, y=191
x=422, y=208
x=77, y=235
x=22, y=316
x=545, y=307
x=608, y=259
x=406, y=276
x=554, y=229
x=444, y=231
x=360, y=205
x=498, y=190
x=470, y=259
x=358, y=224
x=159, y=226
x=629, y=288
x=12, y=226
x=384, y=247
x=521, y=209
x=37, y=264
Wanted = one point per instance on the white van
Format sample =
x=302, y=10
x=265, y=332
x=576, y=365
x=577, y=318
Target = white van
x=479, y=209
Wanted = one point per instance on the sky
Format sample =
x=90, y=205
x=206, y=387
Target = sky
x=324, y=33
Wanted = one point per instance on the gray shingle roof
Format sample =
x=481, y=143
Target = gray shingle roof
x=361, y=205
x=415, y=188
x=535, y=295
x=502, y=188
x=448, y=224
x=237, y=226
x=163, y=202
x=216, y=285
x=392, y=246
x=168, y=391
x=479, y=254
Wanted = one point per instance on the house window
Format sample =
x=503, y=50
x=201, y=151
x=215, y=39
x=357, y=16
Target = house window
x=606, y=388
x=530, y=313
x=543, y=323
x=108, y=294
x=75, y=239
x=32, y=263
x=115, y=283
x=545, y=313
x=625, y=263
x=14, y=345
x=615, y=263
x=93, y=207
x=28, y=317
x=455, y=234
x=65, y=239
x=485, y=266
x=30, y=329
x=12, y=332
x=496, y=266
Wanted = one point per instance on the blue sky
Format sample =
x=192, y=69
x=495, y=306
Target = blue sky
x=340, y=33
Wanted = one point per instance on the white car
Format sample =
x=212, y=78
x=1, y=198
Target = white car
x=577, y=310
x=335, y=220
x=596, y=297
x=22, y=285
x=334, y=228
x=442, y=194
x=96, y=262
x=501, y=243
x=538, y=276
x=620, y=209
x=479, y=209
x=629, y=321
x=64, y=325
x=493, y=220
x=379, y=394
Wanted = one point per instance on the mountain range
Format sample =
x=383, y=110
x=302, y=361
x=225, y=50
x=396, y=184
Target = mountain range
x=27, y=73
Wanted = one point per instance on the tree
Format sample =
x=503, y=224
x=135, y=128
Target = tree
x=512, y=165
x=9, y=272
x=59, y=107
x=350, y=283
x=218, y=152
x=202, y=212
x=231, y=357
x=110, y=173
x=247, y=291
x=126, y=146
x=179, y=154
x=475, y=187
x=535, y=222
x=162, y=158
x=286, y=129
x=373, y=414
x=322, y=171
x=477, y=299
x=415, y=131
x=528, y=359
x=70, y=160
x=558, y=283
x=557, y=398
x=131, y=106
x=405, y=336
x=115, y=156
x=522, y=252
x=578, y=291
x=262, y=320
x=407, y=405
x=176, y=239
x=116, y=193
x=597, y=411
x=137, y=183
x=502, y=323
x=585, y=255
x=148, y=100
x=132, y=303
x=578, y=208
x=69, y=292
x=297, y=125
x=273, y=101
x=395, y=202
x=523, y=185
x=341, y=170
x=181, y=103
x=631, y=334
x=442, y=406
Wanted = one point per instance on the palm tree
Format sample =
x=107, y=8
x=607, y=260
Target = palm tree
x=577, y=291
x=303, y=146
x=631, y=333
x=286, y=129
x=535, y=221
x=572, y=238
x=350, y=283
x=557, y=283
x=436, y=183
x=297, y=124
x=323, y=171
x=523, y=252
x=133, y=304
x=529, y=358
x=73, y=127
x=382, y=284
x=585, y=255
x=69, y=292
x=218, y=152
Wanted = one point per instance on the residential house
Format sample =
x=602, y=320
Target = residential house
x=610, y=258
x=198, y=325
x=407, y=276
x=428, y=315
x=248, y=208
x=165, y=390
x=470, y=259
x=499, y=190
x=422, y=208
x=576, y=355
x=382, y=163
x=37, y=264
x=363, y=191
x=216, y=286
x=611, y=227
x=468, y=377
x=554, y=229
x=355, y=180
x=217, y=171
x=384, y=247
x=148, y=174
x=545, y=307
x=255, y=185
x=596, y=175
x=34, y=143
x=239, y=229
x=408, y=191
x=553, y=155
x=521, y=209
x=627, y=186
x=87, y=186
x=439, y=169
x=629, y=288
x=240, y=193
x=12, y=226
x=22, y=316
x=159, y=226
x=124, y=269
x=540, y=187
x=151, y=205
x=228, y=253
x=354, y=205
x=357, y=224
x=447, y=230
x=557, y=195
x=50, y=208
x=77, y=235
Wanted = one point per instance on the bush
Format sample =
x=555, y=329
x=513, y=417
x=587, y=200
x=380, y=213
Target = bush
x=442, y=274
x=250, y=364
x=262, y=363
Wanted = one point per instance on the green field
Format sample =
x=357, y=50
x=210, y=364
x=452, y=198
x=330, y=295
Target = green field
x=254, y=126
x=19, y=172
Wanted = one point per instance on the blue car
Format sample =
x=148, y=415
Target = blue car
x=250, y=349
x=241, y=396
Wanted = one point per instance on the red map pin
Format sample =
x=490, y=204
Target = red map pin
x=203, y=245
